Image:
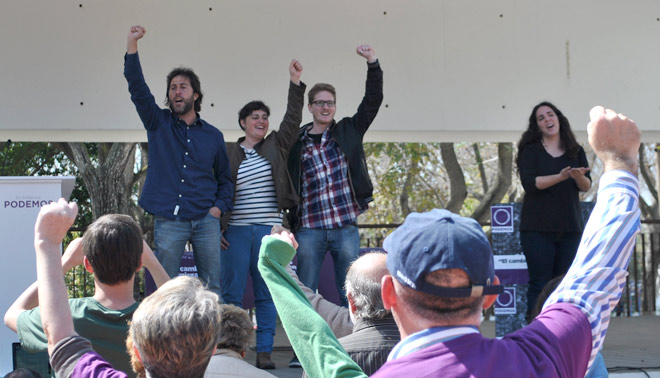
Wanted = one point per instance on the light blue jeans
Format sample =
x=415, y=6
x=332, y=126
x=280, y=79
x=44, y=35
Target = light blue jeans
x=236, y=262
x=344, y=246
x=171, y=237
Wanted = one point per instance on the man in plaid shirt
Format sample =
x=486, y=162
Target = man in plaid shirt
x=329, y=170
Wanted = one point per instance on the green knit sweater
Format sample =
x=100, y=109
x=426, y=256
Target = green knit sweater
x=317, y=348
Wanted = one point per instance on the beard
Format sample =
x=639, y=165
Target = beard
x=180, y=109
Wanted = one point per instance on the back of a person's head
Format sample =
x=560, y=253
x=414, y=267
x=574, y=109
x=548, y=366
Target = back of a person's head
x=363, y=286
x=442, y=265
x=23, y=373
x=176, y=328
x=113, y=246
x=438, y=308
x=235, y=328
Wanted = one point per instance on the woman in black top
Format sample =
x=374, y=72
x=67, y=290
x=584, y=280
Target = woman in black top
x=552, y=169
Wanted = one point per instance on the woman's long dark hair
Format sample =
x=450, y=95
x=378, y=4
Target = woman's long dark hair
x=567, y=140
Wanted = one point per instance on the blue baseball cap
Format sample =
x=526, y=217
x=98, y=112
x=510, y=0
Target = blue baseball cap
x=436, y=240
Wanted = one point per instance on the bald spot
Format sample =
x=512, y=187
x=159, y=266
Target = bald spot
x=371, y=266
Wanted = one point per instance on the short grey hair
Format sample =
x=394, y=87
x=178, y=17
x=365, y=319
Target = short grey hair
x=176, y=329
x=364, y=287
x=235, y=328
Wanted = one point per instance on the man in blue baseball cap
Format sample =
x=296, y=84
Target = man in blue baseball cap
x=441, y=276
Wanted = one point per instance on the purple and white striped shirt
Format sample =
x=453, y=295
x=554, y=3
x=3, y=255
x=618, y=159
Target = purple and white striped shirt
x=596, y=279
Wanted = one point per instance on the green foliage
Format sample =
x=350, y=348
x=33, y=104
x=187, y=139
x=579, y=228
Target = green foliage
x=414, y=174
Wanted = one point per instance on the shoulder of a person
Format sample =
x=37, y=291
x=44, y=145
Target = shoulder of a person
x=214, y=130
x=532, y=148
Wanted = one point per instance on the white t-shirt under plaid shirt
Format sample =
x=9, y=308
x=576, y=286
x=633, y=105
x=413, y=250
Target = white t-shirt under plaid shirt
x=255, y=201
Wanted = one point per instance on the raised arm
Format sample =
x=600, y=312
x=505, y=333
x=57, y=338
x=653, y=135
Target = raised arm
x=318, y=350
x=29, y=299
x=596, y=279
x=52, y=224
x=373, y=95
x=295, y=70
x=288, y=131
x=366, y=52
x=145, y=103
x=337, y=317
x=134, y=34
x=152, y=264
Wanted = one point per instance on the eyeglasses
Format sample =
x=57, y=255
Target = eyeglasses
x=321, y=103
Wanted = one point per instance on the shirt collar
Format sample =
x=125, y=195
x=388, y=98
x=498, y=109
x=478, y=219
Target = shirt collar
x=428, y=337
x=361, y=324
x=324, y=137
x=197, y=122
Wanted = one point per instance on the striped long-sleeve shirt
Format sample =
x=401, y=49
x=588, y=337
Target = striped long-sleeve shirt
x=256, y=200
x=596, y=279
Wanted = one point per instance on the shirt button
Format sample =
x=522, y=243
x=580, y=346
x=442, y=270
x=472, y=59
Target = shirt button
x=182, y=180
x=179, y=195
x=188, y=140
x=185, y=166
x=186, y=153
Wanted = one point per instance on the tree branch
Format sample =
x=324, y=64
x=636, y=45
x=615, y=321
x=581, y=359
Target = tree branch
x=480, y=164
x=502, y=182
x=457, y=187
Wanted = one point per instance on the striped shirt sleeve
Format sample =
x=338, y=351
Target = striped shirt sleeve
x=596, y=279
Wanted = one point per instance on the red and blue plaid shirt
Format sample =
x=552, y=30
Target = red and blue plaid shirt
x=326, y=191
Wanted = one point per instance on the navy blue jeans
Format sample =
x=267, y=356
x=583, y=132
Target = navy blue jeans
x=548, y=254
x=236, y=262
x=344, y=246
x=171, y=237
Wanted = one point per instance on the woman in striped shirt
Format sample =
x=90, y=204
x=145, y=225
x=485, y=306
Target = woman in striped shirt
x=263, y=189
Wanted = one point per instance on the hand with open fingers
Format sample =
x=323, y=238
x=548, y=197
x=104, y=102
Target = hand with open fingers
x=54, y=221
x=295, y=70
x=578, y=171
x=366, y=52
x=224, y=244
x=565, y=173
x=614, y=138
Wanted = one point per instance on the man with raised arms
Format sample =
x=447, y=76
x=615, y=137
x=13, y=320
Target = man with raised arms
x=188, y=184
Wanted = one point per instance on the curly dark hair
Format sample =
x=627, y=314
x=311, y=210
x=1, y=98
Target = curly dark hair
x=249, y=108
x=194, y=83
x=533, y=134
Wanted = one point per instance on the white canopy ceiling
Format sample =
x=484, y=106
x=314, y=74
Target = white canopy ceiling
x=468, y=70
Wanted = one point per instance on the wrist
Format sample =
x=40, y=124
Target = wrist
x=621, y=165
x=42, y=243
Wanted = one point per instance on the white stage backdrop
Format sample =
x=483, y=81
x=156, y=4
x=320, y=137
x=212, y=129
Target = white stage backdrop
x=454, y=70
x=20, y=201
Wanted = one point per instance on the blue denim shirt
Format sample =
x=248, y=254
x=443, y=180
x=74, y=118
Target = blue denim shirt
x=188, y=171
